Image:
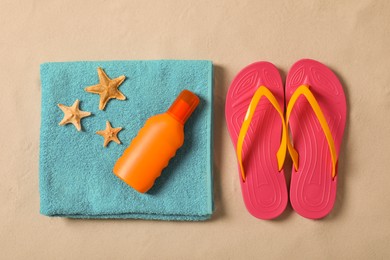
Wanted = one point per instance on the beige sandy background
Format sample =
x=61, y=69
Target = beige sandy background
x=351, y=37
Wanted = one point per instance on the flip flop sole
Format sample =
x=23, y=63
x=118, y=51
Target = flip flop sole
x=264, y=191
x=312, y=190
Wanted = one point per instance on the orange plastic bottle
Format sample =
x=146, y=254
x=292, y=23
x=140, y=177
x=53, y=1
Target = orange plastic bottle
x=156, y=143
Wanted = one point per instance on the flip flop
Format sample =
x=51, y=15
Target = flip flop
x=316, y=114
x=255, y=120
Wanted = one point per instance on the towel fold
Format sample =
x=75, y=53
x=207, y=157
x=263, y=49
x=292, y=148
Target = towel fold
x=76, y=178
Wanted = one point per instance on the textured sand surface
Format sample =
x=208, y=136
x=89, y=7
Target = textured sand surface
x=351, y=37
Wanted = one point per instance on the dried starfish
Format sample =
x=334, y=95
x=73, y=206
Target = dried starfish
x=110, y=134
x=73, y=114
x=107, y=88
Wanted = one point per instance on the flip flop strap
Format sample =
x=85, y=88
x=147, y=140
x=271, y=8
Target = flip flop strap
x=262, y=91
x=305, y=91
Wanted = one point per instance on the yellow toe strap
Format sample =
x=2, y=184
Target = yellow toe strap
x=262, y=91
x=305, y=91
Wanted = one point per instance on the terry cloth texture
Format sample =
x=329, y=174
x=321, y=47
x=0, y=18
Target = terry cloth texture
x=76, y=178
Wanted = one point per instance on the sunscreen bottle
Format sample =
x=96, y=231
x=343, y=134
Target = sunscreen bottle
x=156, y=143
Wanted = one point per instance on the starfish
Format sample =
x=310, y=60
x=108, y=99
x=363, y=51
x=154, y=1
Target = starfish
x=73, y=114
x=107, y=88
x=110, y=134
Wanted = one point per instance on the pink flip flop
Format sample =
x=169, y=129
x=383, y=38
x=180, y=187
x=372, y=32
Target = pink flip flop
x=316, y=114
x=258, y=132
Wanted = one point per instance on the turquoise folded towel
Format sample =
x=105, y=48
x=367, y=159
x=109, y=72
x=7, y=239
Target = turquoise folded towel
x=76, y=178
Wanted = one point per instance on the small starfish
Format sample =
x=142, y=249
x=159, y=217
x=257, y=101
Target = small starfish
x=73, y=114
x=107, y=88
x=110, y=134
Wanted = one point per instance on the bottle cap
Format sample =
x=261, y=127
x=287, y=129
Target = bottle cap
x=183, y=106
